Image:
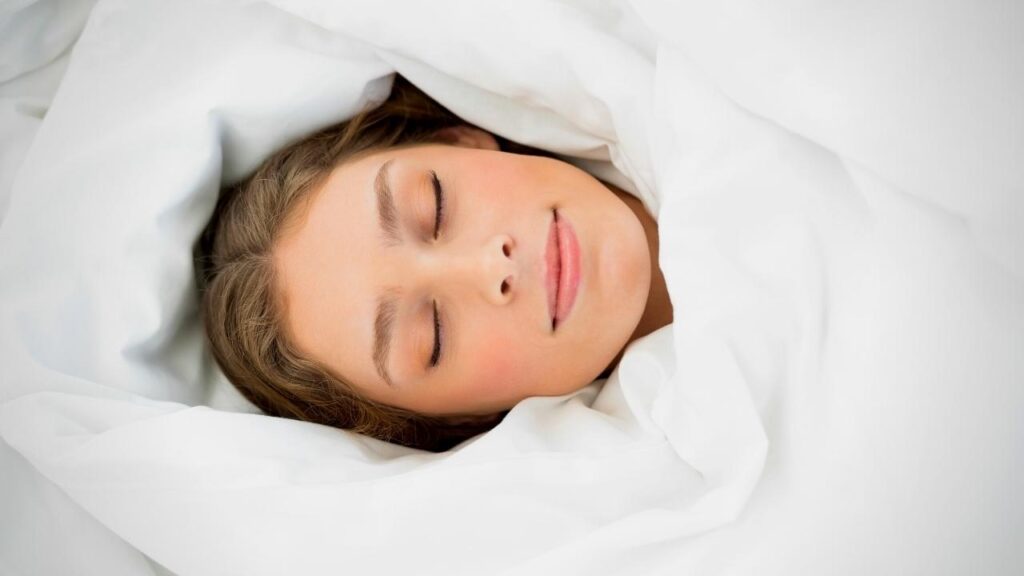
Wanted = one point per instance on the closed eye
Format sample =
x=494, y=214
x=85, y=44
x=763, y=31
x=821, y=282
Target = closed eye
x=438, y=203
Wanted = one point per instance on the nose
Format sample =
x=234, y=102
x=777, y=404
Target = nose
x=488, y=268
x=497, y=269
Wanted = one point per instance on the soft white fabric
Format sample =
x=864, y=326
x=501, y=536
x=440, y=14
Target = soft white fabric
x=44, y=531
x=838, y=202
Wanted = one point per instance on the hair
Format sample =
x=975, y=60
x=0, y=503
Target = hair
x=240, y=302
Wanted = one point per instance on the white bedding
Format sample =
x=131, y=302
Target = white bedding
x=838, y=190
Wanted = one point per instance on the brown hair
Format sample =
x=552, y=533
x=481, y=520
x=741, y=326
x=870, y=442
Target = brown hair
x=240, y=310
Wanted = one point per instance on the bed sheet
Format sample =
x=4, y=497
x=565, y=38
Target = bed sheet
x=839, y=229
x=44, y=531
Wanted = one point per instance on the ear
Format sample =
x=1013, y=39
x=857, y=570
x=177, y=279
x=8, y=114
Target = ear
x=467, y=137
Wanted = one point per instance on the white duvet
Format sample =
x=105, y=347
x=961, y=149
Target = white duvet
x=838, y=187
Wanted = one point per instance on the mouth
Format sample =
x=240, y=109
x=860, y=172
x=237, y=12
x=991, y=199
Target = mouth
x=562, y=259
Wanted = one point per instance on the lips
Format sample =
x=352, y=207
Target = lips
x=562, y=259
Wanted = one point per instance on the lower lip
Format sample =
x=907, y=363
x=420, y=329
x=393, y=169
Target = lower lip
x=563, y=277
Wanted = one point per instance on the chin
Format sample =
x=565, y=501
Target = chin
x=626, y=266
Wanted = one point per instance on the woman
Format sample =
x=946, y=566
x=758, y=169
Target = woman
x=411, y=277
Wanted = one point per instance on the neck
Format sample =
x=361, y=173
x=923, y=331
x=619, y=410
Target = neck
x=658, y=312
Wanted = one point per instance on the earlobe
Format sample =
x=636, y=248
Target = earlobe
x=467, y=137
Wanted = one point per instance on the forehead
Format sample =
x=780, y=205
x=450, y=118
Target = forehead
x=325, y=273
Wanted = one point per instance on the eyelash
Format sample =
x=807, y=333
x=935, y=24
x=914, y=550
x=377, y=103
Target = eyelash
x=435, y=357
x=438, y=202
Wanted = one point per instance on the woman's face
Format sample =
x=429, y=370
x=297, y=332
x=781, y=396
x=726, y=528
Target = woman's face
x=361, y=274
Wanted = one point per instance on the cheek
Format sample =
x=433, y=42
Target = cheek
x=501, y=366
x=507, y=182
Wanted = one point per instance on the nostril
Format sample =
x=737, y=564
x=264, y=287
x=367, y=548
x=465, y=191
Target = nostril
x=506, y=249
x=505, y=286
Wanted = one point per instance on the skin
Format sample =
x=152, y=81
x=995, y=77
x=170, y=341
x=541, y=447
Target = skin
x=485, y=271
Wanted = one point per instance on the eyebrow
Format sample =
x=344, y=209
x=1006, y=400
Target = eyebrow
x=383, y=324
x=387, y=213
x=382, y=328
